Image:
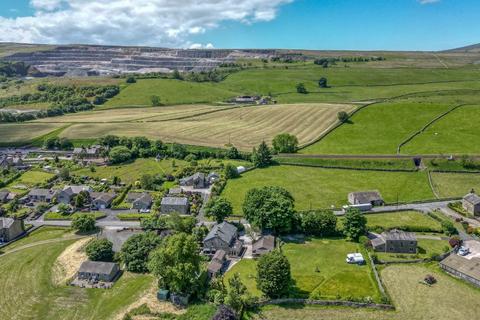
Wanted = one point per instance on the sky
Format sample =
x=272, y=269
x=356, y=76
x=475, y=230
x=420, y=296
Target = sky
x=295, y=24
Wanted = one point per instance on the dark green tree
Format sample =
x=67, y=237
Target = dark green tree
x=269, y=208
x=218, y=208
x=83, y=222
x=319, y=222
x=233, y=153
x=155, y=100
x=342, y=116
x=135, y=251
x=99, y=250
x=322, y=83
x=355, y=224
x=262, y=157
x=176, y=263
x=231, y=171
x=301, y=88
x=237, y=296
x=273, y=275
x=285, y=143
x=119, y=154
x=130, y=79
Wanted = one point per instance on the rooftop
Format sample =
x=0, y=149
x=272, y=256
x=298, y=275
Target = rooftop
x=97, y=267
x=224, y=231
x=176, y=201
x=6, y=222
x=366, y=196
x=469, y=267
x=472, y=198
x=396, y=235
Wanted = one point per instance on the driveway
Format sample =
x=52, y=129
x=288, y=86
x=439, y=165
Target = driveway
x=424, y=207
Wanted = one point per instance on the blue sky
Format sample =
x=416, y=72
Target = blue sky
x=305, y=24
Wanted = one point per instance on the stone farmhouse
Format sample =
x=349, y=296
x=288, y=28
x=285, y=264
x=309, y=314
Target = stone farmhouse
x=197, y=181
x=395, y=241
x=223, y=236
x=366, y=197
x=95, y=271
x=471, y=203
x=215, y=266
x=139, y=200
x=175, y=204
x=264, y=244
x=92, y=152
x=6, y=196
x=467, y=269
x=41, y=195
x=10, y=229
x=69, y=192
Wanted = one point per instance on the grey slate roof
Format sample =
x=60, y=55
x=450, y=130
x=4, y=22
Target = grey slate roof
x=97, y=267
x=472, y=198
x=219, y=255
x=469, y=267
x=225, y=231
x=107, y=197
x=4, y=194
x=71, y=190
x=395, y=234
x=41, y=193
x=366, y=196
x=175, y=201
x=214, y=266
x=6, y=222
x=265, y=243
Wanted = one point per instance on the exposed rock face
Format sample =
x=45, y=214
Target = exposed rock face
x=84, y=60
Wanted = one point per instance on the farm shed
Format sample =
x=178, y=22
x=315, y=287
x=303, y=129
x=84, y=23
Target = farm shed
x=98, y=271
x=263, y=245
x=364, y=197
x=467, y=269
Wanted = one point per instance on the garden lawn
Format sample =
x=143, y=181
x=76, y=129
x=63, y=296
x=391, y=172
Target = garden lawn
x=455, y=184
x=413, y=300
x=28, y=292
x=456, y=133
x=58, y=216
x=402, y=220
x=378, y=129
x=322, y=188
x=335, y=278
x=28, y=180
x=247, y=269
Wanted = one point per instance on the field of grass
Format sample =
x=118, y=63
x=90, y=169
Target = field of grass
x=322, y=188
x=335, y=277
x=170, y=92
x=29, y=179
x=402, y=164
x=28, y=292
x=402, y=219
x=377, y=129
x=244, y=127
x=455, y=133
x=455, y=184
x=413, y=300
x=14, y=133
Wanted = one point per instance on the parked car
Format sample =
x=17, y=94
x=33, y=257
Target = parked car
x=144, y=210
x=463, y=251
x=356, y=258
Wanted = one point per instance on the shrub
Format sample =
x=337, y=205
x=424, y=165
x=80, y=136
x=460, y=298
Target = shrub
x=100, y=250
x=449, y=228
x=136, y=249
x=319, y=222
x=429, y=279
x=454, y=241
x=273, y=274
x=342, y=116
x=231, y=171
x=83, y=222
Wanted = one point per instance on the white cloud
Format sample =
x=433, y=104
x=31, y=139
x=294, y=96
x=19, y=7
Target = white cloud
x=428, y=1
x=131, y=22
x=201, y=46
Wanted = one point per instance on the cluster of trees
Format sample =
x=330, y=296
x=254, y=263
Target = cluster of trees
x=215, y=75
x=57, y=143
x=125, y=148
x=64, y=99
x=326, y=62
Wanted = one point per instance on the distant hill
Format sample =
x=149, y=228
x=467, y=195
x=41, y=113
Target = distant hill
x=474, y=48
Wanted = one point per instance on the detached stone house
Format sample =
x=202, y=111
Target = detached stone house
x=463, y=268
x=101, y=200
x=263, y=245
x=174, y=204
x=10, y=229
x=215, y=266
x=197, y=181
x=366, y=197
x=139, y=200
x=5, y=196
x=395, y=241
x=69, y=192
x=223, y=236
x=98, y=271
x=471, y=203
x=41, y=195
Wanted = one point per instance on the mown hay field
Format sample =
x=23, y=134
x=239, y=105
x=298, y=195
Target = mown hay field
x=134, y=114
x=322, y=188
x=244, y=127
x=455, y=133
x=378, y=128
x=413, y=300
x=25, y=132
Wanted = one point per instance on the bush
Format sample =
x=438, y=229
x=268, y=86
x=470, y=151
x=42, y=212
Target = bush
x=100, y=250
x=136, y=249
x=130, y=79
x=285, y=143
x=449, y=228
x=429, y=279
x=273, y=275
x=342, y=116
x=83, y=222
x=120, y=154
x=231, y=171
x=301, y=88
x=319, y=222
